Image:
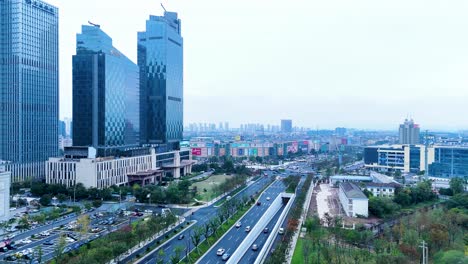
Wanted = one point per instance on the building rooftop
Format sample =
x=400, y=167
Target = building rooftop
x=352, y=191
x=381, y=184
x=351, y=177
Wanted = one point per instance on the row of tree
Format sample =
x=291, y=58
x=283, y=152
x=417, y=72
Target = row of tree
x=114, y=244
x=404, y=197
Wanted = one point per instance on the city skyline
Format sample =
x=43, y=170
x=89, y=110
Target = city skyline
x=388, y=60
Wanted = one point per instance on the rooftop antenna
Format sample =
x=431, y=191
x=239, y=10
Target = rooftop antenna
x=96, y=25
x=163, y=8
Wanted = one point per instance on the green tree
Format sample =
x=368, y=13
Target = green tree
x=58, y=251
x=450, y=257
x=175, y=258
x=457, y=185
x=45, y=199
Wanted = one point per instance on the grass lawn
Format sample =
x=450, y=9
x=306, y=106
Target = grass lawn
x=208, y=184
x=298, y=256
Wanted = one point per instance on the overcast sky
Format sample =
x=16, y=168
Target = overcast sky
x=361, y=63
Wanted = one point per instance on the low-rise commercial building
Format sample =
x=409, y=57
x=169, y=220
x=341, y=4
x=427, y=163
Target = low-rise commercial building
x=79, y=165
x=353, y=200
x=381, y=189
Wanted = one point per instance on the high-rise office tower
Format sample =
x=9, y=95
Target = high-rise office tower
x=160, y=58
x=409, y=132
x=286, y=125
x=106, y=95
x=226, y=126
x=29, y=86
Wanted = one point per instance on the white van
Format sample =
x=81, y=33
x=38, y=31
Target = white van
x=281, y=231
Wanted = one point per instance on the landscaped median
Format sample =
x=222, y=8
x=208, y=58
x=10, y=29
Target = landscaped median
x=220, y=231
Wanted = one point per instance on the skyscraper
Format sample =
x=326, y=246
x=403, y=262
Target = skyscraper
x=106, y=95
x=29, y=86
x=160, y=58
x=409, y=132
x=286, y=125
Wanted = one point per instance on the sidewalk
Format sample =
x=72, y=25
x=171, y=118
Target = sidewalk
x=305, y=208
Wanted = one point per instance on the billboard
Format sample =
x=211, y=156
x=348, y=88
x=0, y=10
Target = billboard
x=185, y=144
x=240, y=152
x=196, y=151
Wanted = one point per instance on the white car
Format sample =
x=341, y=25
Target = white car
x=220, y=251
x=239, y=224
x=268, y=198
x=247, y=229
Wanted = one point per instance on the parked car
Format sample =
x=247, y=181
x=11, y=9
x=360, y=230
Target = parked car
x=181, y=237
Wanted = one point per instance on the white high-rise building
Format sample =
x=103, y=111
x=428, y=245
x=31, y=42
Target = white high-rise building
x=409, y=132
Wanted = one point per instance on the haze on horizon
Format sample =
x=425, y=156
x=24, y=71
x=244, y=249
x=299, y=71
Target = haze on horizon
x=362, y=64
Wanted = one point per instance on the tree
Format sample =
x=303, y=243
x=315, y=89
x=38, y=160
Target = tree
x=62, y=197
x=23, y=223
x=39, y=254
x=45, y=199
x=160, y=257
x=83, y=223
x=450, y=257
x=97, y=203
x=58, y=252
x=195, y=236
x=175, y=258
x=457, y=185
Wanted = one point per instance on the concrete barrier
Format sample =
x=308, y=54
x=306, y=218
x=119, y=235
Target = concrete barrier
x=274, y=232
x=256, y=230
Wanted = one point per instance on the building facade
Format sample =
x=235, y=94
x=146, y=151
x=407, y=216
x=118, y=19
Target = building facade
x=353, y=200
x=160, y=58
x=29, y=86
x=409, y=132
x=286, y=125
x=5, y=182
x=106, y=95
x=81, y=166
x=449, y=161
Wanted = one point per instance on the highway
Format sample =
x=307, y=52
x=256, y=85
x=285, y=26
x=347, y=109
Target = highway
x=202, y=216
x=251, y=255
x=235, y=236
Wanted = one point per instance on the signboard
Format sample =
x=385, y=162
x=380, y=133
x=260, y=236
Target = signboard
x=184, y=144
x=196, y=151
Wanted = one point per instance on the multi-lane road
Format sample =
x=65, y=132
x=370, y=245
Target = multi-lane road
x=202, y=216
x=236, y=235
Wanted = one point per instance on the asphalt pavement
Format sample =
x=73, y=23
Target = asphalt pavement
x=202, y=216
x=235, y=236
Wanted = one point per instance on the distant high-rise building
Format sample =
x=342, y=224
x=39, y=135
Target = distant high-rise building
x=29, y=86
x=286, y=125
x=160, y=58
x=226, y=126
x=62, y=131
x=340, y=131
x=106, y=98
x=409, y=132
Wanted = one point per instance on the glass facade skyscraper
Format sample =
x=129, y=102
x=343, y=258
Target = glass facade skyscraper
x=449, y=162
x=106, y=95
x=29, y=86
x=160, y=58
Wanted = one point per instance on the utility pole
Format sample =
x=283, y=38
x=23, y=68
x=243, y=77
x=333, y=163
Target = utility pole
x=425, y=252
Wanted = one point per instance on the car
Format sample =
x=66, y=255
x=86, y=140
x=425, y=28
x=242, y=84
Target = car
x=239, y=224
x=181, y=237
x=281, y=231
x=265, y=230
x=259, y=203
x=247, y=229
x=48, y=243
x=268, y=198
x=225, y=257
x=220, y=251
x=254, y=247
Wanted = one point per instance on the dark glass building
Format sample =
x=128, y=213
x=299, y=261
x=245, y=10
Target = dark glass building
x=106, y=95
x=29, y=86
x=449, y=162
x=160, y=58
